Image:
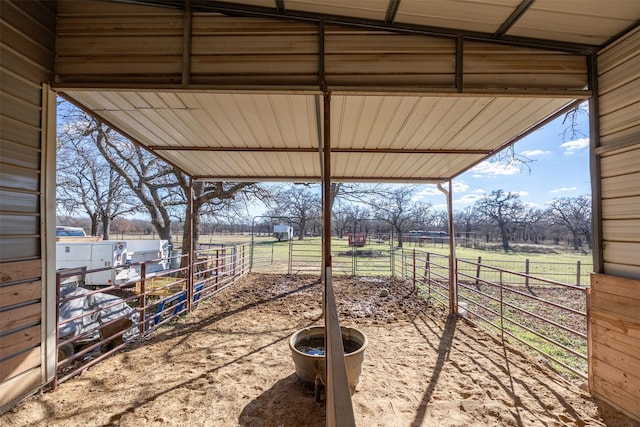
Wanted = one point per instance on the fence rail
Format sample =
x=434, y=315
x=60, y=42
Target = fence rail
x=546, y=316
x=94, y=323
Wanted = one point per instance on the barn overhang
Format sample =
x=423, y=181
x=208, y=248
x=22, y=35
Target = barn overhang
x=230, y=92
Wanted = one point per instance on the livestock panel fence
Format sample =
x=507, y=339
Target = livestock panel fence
x=545, y=316
x=93, y=322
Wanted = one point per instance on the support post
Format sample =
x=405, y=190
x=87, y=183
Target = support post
x=191, y=256
x=339, y=410
x=453, y=275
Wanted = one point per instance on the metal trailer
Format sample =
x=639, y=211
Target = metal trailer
x=282, y=232
x=155, y=253
x=111, y=256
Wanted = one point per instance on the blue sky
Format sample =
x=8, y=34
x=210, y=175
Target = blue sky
x=558, y=167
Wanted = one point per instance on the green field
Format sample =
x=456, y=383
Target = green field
x=376, y=257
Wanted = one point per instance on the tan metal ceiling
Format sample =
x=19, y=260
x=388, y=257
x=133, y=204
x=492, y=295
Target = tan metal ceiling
x=522, y=65
x=589, y=22
x=257, y=137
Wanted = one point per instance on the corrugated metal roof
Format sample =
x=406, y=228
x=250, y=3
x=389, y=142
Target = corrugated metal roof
x=258, y=129
x=253, y=137
x=587, y=22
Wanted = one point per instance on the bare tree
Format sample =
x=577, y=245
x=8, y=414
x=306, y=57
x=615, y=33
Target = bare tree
x=85, y=180
x=298, y=202
x=533, y=225
x=570, y=120
x=503, y=210
x=160, y=188
x=354, y=192
x=574, y=213
x=347, y=216
x=210, y=194
x=466, y=220
x=149, y=178
x=395, y=208
x=424, y=215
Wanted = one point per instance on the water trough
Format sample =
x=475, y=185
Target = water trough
x=307, y=349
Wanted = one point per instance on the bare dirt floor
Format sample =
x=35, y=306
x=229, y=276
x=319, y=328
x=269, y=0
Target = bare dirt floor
x=228, y=363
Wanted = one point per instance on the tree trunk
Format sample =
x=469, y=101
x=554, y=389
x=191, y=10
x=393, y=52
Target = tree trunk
x=399, y=232
x=576, y=240
x=106, y=224
x=94, y=225
x=164, y=231
x=505, y=239
x=187, y=242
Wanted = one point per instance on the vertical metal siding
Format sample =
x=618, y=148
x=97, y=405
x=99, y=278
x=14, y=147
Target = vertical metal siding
x=27, y=30
x=615, y=295
x=619, y=92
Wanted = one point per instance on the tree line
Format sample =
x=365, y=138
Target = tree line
x=106, y=178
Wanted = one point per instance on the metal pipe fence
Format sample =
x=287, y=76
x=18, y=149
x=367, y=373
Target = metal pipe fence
x=546, y=316
x=577, y=273
x=94, y=323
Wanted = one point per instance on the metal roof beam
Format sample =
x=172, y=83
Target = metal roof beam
x=513, y=18
x=392, y=10
x=233, y=9
x=156, y=148
x=298, y=178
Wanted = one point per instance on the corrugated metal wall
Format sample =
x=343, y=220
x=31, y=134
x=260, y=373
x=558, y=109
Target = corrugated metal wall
x=619, y=151
x=614, y=364
x=141, y=45
x=27, y=52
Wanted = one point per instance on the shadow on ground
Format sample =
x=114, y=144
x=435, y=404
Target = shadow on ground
x=273, y=406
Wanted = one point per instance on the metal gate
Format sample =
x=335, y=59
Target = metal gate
x=364, y=254
x=371, y=255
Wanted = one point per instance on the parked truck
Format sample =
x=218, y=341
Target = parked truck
x=282, y=232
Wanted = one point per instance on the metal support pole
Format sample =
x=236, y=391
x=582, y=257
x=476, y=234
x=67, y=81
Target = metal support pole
x=339, y=410
x=326, y=183
x=453, y=275
x=191, y=257
x=413, y=289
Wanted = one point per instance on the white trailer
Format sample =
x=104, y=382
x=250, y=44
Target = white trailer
x=282, y=232
x=94, y=255
x=155, y=253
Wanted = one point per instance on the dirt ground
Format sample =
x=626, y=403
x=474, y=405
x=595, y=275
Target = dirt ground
x=229, y=364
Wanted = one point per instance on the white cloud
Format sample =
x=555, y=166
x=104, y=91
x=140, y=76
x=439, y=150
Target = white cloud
x=431, y=191
x=459, y=187
x=535, y=153
x=493, y=169
x=571, y=147
x=563, y=190
x=468, y=199
x=426, y=193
